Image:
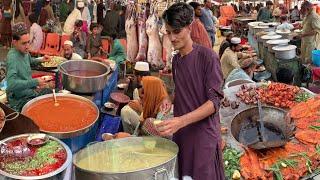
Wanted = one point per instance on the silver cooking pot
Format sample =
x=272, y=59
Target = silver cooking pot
x=163, y=171
x=58, y=174
x=285, y=52
x=265, y=38
x=69, y=134
x=84, y=84
x=276, y=42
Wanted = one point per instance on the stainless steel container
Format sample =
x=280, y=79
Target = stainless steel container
x=84, y=84
x=276, y=42
x=58, y=174
x=265, y=38
x=285, y=52
x=252, y=24
x=163, y=171
x=69, y=134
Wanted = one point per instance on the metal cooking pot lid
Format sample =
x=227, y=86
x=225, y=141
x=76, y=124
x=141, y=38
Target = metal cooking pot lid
x=254, y=23
x=260, y=27
x=278, y=41
x=265, y=37
x=283, y=31
x=273, y=23
x=284, y=48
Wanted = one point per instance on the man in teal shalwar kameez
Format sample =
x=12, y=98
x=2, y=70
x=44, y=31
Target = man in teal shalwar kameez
x=21, y=86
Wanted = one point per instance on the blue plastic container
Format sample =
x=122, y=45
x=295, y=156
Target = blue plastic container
x=316, y=57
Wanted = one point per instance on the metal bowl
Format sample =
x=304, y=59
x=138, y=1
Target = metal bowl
x=57, y=174
x=237, y=82
x=69, y=134
x=272, y=115
x=109, y=106
x=84, y=84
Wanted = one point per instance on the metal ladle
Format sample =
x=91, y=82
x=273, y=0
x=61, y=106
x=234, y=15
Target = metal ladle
x=55, y=98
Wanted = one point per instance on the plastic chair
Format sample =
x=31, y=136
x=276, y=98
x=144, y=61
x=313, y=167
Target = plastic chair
x=63, y=39
x=36, y=53
x=52, y=45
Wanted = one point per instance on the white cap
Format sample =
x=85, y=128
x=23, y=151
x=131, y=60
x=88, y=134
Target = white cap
x=80, y=4
x=235, y=40
x=141, y=66
x=68, y=43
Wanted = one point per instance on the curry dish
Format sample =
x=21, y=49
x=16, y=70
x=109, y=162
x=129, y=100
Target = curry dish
x=71, y=114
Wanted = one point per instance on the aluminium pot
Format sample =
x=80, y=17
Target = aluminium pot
x=163, y=171
x=58, y=174
x=259, y=28
x=265, y=38
x=69, y=134
x=84, y=84
x=276, y=42
x=251, y=25
x=285, y=52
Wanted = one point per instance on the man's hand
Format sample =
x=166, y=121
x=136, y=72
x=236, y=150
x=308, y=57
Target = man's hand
x=41, y=81
x=46, y=58
x=169, y=127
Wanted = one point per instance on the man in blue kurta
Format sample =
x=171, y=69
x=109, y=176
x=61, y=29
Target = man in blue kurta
x=198, y=79
x=21, y=86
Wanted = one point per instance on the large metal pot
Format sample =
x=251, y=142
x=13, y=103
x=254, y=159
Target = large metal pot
x=285, y=52
x=58, y=174
x=84, y=84
x=257, y=29
x=265, y=38
x=163, y=171
x=252, y=24
x=276, y=42
x=69, y=134
x=284, y=34
x=271, y=115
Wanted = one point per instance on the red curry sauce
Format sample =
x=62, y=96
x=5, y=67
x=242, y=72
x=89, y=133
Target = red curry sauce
x=71, y=114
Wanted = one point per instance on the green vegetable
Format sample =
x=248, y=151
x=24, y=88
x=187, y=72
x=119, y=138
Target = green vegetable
x=302, y=97
x=306, y=157
x=42, y=157
x=317, y=128
x=282, y=163
x=318, y=149
x=231, y=159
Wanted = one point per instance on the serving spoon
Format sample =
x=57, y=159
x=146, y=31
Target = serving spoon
x=55, y=98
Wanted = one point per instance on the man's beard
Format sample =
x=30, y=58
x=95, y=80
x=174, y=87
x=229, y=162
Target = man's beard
x=68, y=56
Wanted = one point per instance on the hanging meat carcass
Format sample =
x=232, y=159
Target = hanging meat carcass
x=142, y=36
x=167, y=45
x=154, y=55
x=131, y=31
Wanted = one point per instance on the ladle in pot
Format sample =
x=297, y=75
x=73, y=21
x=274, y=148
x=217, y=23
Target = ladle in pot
x=55, y=98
